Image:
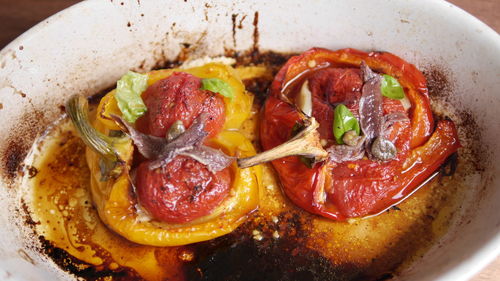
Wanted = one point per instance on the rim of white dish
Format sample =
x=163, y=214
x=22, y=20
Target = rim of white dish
x=490, y=250
x=464, y=269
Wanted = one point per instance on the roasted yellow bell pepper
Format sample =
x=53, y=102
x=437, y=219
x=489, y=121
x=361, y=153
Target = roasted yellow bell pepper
x=115, y=200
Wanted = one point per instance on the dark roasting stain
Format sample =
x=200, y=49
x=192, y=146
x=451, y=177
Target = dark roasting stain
x=19, y=142
x=233, y=21
x=271, y=60
x=259, y=87
x=240, y=24
x=441, y=88
x=13, y=158
x=438, y=82
x=255, y=57
x=247, y=259
x=478, y=155
x=256, y=31
x=32, y=171
x=27, y=219
x=81, y=268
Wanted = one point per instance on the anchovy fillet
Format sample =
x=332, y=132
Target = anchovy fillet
x=189, y=143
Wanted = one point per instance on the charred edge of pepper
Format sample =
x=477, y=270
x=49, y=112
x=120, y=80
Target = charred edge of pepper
x=96, y=98
x=258, y=86
x=449, y=166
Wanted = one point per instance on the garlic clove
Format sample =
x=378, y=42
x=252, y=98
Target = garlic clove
x=304, y=99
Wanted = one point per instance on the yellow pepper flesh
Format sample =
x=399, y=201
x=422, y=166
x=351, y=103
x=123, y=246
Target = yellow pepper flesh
x=114, y=198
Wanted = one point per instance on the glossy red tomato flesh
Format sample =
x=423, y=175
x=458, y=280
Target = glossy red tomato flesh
x=354, y=188
x=179, y=97
x=183, y=189
x=331, y=86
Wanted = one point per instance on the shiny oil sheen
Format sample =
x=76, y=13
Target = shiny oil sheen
x=434, y=35
x=278, y=242
x=312, y=247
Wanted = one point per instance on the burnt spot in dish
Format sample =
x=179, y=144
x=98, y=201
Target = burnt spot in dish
x=441, y=85
x=438, y=81
x=13, y=157
x=273, y=61
x=85, y=270
x=241, y=257
x=18, y=143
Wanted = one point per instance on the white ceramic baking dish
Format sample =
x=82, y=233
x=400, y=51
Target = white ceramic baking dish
x=86, y=48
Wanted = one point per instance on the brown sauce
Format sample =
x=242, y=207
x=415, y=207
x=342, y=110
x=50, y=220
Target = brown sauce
x=278, y=242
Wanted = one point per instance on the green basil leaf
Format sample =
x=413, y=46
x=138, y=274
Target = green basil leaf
x=391, y=88
x=128, y=95
x=343, y=121
x=217, y=85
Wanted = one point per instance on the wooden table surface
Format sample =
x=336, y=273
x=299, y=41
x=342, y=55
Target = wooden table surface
x=17, y=16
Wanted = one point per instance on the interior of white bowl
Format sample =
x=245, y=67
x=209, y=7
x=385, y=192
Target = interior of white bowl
x=86, y=48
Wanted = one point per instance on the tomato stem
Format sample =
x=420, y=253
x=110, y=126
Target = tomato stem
x=306, y=143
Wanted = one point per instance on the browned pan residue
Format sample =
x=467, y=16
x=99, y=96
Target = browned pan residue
x=280, y=242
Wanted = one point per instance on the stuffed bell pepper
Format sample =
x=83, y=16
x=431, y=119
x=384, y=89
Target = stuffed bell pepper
x=351, y=133
x=161, y=150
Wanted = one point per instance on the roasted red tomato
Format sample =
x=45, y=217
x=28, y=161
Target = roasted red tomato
x=364, y=186
x=188, y=184
x=183, y=189
x=179, y=97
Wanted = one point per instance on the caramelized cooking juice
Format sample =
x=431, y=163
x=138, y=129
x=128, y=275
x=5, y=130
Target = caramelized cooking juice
x=278, y=242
